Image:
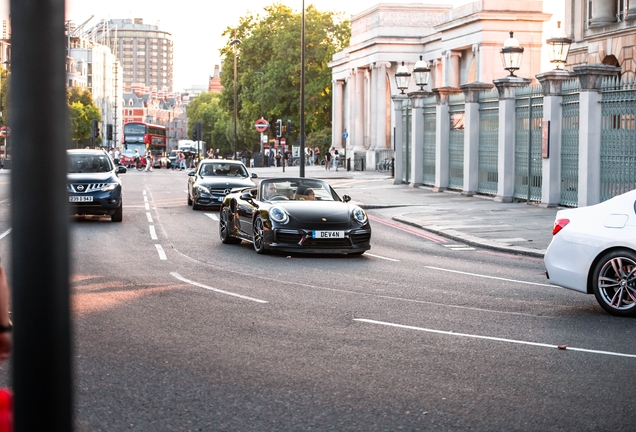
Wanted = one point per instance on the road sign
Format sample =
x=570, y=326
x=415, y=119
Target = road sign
x=261, y=125
x=282, y=141
x=345, y=134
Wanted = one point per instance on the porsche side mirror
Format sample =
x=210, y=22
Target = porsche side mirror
x=191, y=172
x=346, y=198
x=121, y=169
x=254, y=175
x=246, y=196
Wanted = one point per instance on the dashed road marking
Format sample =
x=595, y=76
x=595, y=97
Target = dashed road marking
x=488, y=277
x=145, y=198
x=212, y=216
x=381, y=257
x=162, y=254
x=149, y=216
x=147, y=206
x=6, y=233
x=459, y=247
x=515, y=341
x=181, y=278
x=153, y=233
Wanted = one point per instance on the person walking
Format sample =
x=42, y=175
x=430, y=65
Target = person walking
x=182, y=161
x=335, y=158
x=148, y=161
x=327, y=160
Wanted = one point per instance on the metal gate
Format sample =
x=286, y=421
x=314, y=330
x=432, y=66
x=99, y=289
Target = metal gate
x=488, y=175
x=528, y=161
x=618, y=137
x=406, y=142
x=570, y=144
x=456, y=108
x=430, y=116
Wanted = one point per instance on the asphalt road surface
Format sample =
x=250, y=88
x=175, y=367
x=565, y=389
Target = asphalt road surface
x=174, y=331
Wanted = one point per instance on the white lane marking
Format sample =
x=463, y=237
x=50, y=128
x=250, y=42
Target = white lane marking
x=149, y=216
x=212, y=216
x=144, y=192
x=6, y=233
x=162, y=254
x=147, y=206
x=381, y=257
x=181, y=278
x=489, y=277
x=145, y=198
x=450, y=333
x=153, y=233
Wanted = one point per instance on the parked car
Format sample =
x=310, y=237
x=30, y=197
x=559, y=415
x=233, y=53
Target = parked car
x=93, y=184
x=294, y=215
x=593, y=250
x=172, y=159
x=213, y=179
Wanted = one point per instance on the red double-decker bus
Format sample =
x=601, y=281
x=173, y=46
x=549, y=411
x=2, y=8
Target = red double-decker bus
x=145, y=137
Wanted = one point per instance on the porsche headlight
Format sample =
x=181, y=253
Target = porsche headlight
x=203, y=189
x=278, y=215
x=109, y=187
x=359, y=215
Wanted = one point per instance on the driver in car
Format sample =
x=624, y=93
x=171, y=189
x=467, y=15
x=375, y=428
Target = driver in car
x=270, y=191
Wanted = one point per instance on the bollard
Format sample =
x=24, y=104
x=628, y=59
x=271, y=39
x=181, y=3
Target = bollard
x=348, y=164
x=393, y=167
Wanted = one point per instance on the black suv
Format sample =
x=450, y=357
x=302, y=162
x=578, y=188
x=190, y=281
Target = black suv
x=93, y=184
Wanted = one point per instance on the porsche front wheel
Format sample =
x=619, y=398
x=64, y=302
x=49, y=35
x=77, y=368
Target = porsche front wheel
x=614, y=283
x=258, y=236
x=224, y=228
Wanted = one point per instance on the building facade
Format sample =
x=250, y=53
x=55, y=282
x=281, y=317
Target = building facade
x=144, y=51
x=460, y=45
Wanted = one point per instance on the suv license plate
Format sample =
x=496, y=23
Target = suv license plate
x=328, y=234
x=80, y=198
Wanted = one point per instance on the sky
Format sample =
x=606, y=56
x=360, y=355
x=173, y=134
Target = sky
x=196, y=25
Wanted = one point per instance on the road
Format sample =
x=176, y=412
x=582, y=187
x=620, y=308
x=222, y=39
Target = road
x=175, y=331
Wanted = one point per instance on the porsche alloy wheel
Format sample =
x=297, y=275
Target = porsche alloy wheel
x=614, y=283
x=224, y=228
x=258, y=236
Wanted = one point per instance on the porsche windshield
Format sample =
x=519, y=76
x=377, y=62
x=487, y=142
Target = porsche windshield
x=297, y=190
x=219, y=169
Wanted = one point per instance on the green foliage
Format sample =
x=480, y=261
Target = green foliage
x=214, y=122
x=5, y=108
x=82, y=111
x=271, y=44
x=320, y=139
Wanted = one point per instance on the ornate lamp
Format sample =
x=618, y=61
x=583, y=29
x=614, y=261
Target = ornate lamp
x=402, y=78
x=558, y=47
x=421, y=73
x=511, y=55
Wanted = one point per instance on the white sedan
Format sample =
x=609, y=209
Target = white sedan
x=593, y=250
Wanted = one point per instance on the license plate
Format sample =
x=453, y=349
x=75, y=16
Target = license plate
x=80, y=198
x=328, y=234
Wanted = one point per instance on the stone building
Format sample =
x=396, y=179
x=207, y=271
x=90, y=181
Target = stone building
x=460, y=45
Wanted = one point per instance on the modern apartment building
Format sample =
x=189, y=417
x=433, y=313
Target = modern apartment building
x=144, y=51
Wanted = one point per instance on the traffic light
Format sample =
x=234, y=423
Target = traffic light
x=194, y=133
x=278, y=128
x=109, y=132
x=95, y=128
x=290, y=128
x=197, y=134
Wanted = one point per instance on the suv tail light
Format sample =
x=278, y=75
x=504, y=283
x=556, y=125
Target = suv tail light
x=559, y=224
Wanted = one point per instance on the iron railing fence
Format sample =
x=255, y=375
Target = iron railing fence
x=430, y=126
x=456, y=108
x=528, y=160
x=488, y=173
x=570, y=144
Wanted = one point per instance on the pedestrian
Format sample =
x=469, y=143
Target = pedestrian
x=327, y=160
x=182, y=161
x=210, y=154
x=116, y=154
x=278, y=158
x=136, y=158
x=317, y=156
x=5, y=322
x=310, y=157
x=149, y=161
x=335, y=158
x=217, y=154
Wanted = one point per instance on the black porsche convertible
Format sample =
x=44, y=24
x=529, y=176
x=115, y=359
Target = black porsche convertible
x=294, y=215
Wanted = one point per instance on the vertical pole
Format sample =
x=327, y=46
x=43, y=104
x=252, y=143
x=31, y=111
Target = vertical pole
x=302, y=94
x=42, y=355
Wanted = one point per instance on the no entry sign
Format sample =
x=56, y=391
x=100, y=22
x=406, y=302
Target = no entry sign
x=261, y=125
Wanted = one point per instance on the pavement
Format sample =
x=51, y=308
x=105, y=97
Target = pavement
x=479, y=221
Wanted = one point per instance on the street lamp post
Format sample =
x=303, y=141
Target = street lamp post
x=402, y=76
x=302, y=95
x=511, y=54
x=233, y=44
x=558, y=47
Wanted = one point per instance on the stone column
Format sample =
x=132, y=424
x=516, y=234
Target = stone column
x=381, y=102
x=471, y=135
x=398, y=100
x=373, y=108
x=442, y=138
x=358, y=117
x=603, y=12
x=417, y=136
x=452, y=66
x=552, y=83
x=590, y=117
x=478, y=62
x=338, y=102
x=506, y=163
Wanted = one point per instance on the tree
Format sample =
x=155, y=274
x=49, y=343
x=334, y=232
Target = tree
x=271, y=44
x=82, y=111
x=206, y=109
